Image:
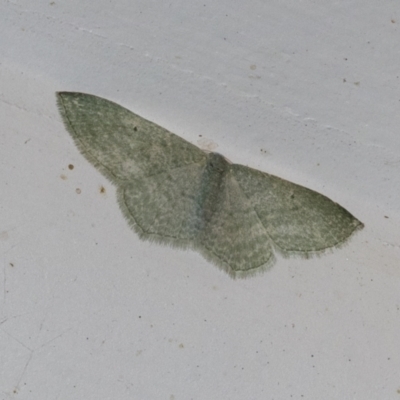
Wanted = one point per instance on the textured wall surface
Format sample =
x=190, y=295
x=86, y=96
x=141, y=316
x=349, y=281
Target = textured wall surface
x=308, y=91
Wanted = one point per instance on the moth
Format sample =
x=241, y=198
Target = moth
x=172, y=192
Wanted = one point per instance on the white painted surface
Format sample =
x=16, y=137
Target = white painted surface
x=305, y=90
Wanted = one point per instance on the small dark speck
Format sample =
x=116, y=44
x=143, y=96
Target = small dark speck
x=200, y=135
x=11, y=264
x=71, y=166
x=78, y=191
x=386, y=216
x=102, y=189
x=344, y=80
x=393, y=21
x=135, y=129
x=345, y=59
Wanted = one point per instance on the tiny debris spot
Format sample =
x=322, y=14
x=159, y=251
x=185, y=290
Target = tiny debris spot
x=4, y=235
x=11, y=264
x=393, y=21
x=357, y=83
x=181, y=346
x=102, y=189
x=63, y=177
x=78, y=191
x=71, y=166
x=386, y=216
x=135, y=128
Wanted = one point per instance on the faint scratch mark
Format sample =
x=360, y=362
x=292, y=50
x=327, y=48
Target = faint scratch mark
x=30, y=350
x=23, y=372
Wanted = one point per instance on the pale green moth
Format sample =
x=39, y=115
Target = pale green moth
x=172, y=192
